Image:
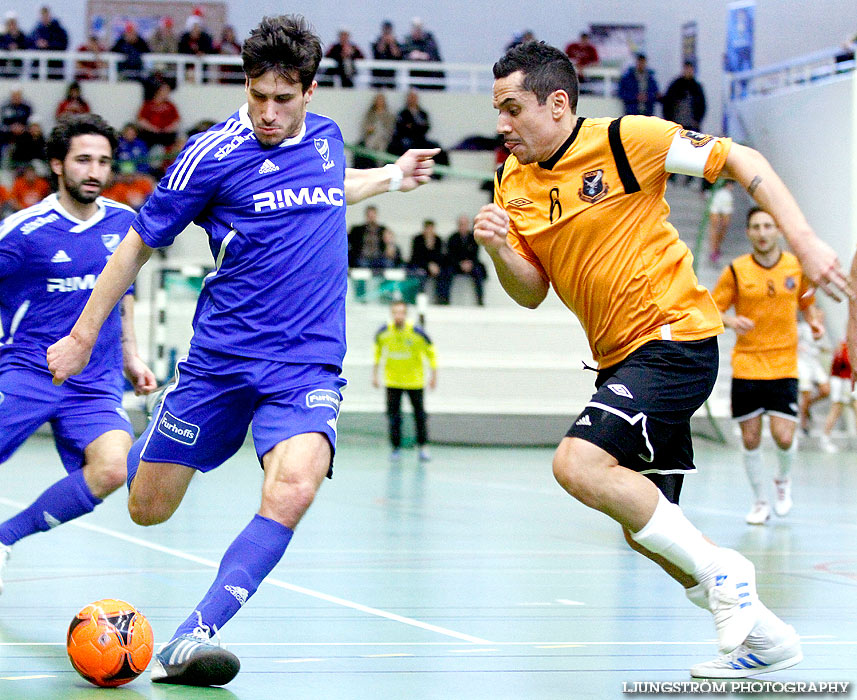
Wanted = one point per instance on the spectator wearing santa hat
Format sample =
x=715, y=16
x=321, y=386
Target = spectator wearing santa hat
x=133, y=46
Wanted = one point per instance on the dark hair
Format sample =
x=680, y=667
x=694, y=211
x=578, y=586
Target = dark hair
x=546, y=69
x=285, y=44
x=59, y=142
x=755, y=210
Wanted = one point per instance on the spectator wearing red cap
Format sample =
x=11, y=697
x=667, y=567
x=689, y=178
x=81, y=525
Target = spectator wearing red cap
x=164, y=39
x=133, y=46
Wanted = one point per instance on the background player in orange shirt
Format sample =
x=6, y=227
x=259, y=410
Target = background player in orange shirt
x=573, y=203
x=766, y=288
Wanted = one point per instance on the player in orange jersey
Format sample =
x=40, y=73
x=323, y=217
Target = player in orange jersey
x=766, y=289
x=579, y=206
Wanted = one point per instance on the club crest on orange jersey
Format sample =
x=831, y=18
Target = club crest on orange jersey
x=696, y=139
x=790, y=283
x=594, y=188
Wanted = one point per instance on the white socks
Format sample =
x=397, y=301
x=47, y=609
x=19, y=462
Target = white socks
x=670, y=534
x=754, y=463
x=784, y=457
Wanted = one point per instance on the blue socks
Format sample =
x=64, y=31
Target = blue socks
x=249, y=559
x=67, y=499
x=134, y=455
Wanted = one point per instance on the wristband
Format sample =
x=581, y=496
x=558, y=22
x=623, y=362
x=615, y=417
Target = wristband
x=396, y=176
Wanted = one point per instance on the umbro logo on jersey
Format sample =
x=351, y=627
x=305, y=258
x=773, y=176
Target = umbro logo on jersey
x=519, y=202
x=584, y=421
x=620, y=390
x=268, y=167
x=60, y=256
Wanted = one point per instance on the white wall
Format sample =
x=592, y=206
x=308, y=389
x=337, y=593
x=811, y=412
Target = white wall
x=476, y=31
x=810, y=137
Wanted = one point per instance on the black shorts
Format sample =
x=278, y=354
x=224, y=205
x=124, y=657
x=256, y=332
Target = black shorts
x=640, y=413
x=753, y=397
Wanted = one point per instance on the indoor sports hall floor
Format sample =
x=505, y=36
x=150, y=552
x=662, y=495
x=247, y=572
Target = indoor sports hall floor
x=471, y=577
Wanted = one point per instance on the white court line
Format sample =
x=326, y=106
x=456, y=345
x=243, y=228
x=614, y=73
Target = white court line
x=272, y=581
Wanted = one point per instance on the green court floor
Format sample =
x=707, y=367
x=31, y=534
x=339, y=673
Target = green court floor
x=471, y=577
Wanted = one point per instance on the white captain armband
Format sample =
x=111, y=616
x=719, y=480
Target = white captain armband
x=396, y=176
x=689, y=153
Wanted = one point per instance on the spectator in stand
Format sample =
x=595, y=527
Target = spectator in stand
x=684, y=100
x=159, y=119
x=364, y=240
x=429, y=262
x=30, y=146
x=132, y=46
x=841, y=395
x=345, y=53
x=385, y=48
x=376, y=131
x=131, y=188
x=412, y=127
x=638, y=88
x=12, y=39
x=14, y=115
x=391, y=254
x=582, y=54
x=50, y=35
x=196, y=41
x=73, y=102
x=94, y=69
x=132, y=153
x=228, y=45
x=164, y=39
x=462, y=257
x=522, y=38
x=28, y=188
x=420, y=45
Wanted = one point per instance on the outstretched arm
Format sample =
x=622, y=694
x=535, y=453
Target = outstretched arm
x=752, y=170
x=410, y=171
x=519, y=278
x=69, y=355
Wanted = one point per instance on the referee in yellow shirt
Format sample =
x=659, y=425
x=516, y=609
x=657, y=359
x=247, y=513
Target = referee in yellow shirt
x=404, y=348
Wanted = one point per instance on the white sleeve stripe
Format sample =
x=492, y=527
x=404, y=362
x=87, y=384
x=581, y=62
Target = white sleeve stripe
x=687, y=156
x=190, y=168
x=190, y=153
x=19, y=217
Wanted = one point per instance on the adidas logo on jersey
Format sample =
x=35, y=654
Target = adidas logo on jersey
x=239, y=593
x=268, y=167
x=584, y=421
x=60, y=256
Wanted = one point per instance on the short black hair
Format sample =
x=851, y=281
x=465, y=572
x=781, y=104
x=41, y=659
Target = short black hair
x=755, y=210
x=59, y=142
x=546, y=69
x=285, y=44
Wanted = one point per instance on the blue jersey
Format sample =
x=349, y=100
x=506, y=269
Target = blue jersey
x=275, y=218
x=49, y=263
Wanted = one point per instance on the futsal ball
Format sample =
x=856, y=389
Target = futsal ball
x=110, y=642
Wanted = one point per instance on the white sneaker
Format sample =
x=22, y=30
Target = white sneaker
x=425, y=455
x=751, y=659
x=759, y=513
x=784, y=502
x=395, y=454
x=5, y=553
x=827, y=445
x=733, y=600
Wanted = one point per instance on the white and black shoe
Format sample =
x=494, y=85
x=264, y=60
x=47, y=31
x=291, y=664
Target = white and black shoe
x=193, y=659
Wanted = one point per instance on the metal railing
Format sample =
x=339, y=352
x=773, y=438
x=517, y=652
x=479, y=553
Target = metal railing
x=820, y=65
x=216, y=68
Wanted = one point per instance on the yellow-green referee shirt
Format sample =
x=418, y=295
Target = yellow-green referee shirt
x=403, y=351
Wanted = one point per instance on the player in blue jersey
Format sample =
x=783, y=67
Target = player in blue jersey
x=50, y=257
x=269, y=186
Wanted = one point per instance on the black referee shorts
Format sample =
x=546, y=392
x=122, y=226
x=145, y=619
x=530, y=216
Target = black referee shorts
x=641, y=410
x=753, y=397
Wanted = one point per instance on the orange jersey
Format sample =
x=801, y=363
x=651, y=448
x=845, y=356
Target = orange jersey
x=593, y=221
x=770, y=298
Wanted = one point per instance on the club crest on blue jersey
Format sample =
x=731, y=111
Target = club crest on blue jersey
x=111, y=241
x=323, y=148
x=177, y=429
x=320, y=398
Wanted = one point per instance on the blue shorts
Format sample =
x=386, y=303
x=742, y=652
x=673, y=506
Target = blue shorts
x=77, y=416
x=203, y=418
